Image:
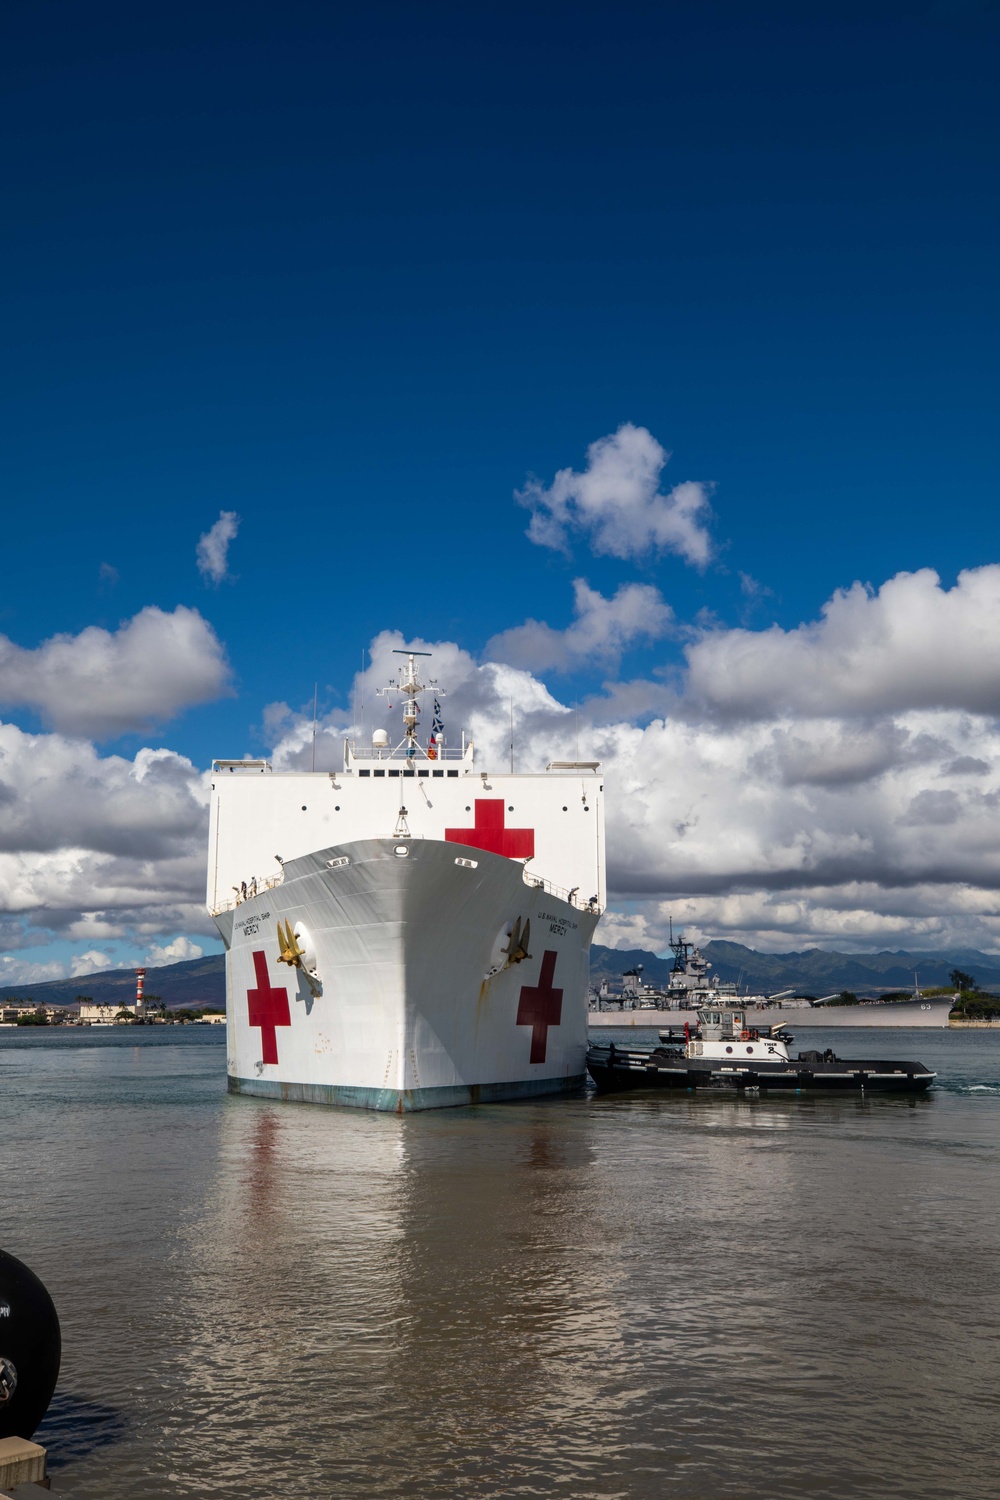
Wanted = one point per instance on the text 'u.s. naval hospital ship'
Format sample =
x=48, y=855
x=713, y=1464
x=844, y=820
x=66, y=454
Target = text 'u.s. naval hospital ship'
x=425, y=938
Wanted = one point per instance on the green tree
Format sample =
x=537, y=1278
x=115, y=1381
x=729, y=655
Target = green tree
x=961, y=980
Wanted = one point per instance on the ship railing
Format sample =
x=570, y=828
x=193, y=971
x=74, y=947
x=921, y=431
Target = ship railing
x=629, y=1005
x=366, y=754
x=571, y=897
x=247, y=893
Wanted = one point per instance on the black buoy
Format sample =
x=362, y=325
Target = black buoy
x=30, y=1346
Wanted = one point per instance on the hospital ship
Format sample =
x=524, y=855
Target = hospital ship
x=411, y=931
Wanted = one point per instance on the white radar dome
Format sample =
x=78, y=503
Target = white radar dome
x=380, y=739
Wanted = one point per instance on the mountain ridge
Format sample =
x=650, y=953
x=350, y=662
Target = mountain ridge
x=814, y=970
x=202, y=981
x=192, y=981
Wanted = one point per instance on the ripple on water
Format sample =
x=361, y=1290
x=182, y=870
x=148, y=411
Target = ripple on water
x=642, y=1297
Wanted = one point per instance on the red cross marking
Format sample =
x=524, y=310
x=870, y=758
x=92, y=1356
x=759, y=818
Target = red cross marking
x=540, y=1007
x=490, y=833
x=267, y=1008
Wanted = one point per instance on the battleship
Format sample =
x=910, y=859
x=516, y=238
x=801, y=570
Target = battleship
x=412, y=931
x=691, y=985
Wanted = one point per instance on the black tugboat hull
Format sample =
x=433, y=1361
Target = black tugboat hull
x=631, y=1071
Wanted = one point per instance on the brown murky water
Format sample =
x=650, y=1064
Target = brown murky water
x=684, y=1297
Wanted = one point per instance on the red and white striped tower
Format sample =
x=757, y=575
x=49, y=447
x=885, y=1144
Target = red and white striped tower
x=140, y=979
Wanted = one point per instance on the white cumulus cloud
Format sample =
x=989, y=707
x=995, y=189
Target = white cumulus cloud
x=601, y=630
x=911, y=644
x=617, y=504
x=24, y=971
x=104, y=683
x=91, y=962
x=178, y=951
x=212, y=551
x=796, y=829
x=845, y=830
x=837, y=784
x=96, y=848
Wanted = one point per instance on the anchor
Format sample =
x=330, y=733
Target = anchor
x=517, y=944
x=290, y=952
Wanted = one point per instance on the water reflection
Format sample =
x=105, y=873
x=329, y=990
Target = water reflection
x=75, y=1429
x=622, y=1297
x=502, y=1302
x=416, y=1291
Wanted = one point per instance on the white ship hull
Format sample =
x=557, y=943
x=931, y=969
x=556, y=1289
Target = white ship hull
x=417, y=1008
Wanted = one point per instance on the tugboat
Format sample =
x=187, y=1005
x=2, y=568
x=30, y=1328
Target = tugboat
x=723, y=1052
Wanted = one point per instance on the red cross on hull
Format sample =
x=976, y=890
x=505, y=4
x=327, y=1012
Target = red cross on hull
x=490, y=833
x=540, y=1007
x=267, y=1008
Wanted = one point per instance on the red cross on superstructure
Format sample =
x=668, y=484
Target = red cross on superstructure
x=540, y=1007
x=268, y=1008
x=490, y=833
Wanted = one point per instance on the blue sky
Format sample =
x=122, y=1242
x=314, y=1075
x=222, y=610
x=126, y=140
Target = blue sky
x=356, y=274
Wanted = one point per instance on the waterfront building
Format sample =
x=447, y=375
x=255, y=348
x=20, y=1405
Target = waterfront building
x=93, y=1013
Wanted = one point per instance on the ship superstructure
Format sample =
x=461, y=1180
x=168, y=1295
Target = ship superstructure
x=688, y=986
x=410, y=931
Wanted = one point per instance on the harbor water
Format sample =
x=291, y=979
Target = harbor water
x=639, y=1296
